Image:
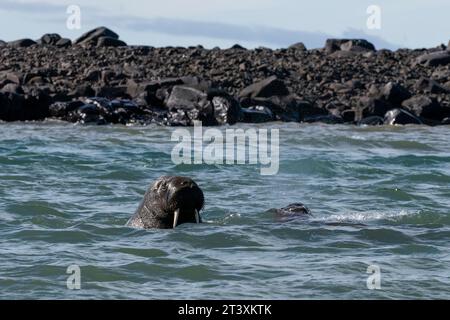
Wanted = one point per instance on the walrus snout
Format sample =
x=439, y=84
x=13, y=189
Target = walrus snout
x=169, y=202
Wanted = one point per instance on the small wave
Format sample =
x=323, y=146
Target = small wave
x=366, y=216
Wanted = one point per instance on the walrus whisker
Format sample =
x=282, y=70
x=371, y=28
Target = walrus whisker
x=197, y=216
x=175, y=218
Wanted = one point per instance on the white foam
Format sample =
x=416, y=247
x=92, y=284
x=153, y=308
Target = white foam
x=366, y=216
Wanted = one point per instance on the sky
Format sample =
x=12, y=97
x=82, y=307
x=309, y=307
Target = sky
x=251, y=23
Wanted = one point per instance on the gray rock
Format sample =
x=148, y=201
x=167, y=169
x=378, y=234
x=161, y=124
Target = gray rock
x=435, y=58
x=265, y=89
x=425, y=107
x=186, y=98
x=431, y=86
x=350, y=45
x=368, y=106
x=395, y=93
x=300, y=46
x=358, y=45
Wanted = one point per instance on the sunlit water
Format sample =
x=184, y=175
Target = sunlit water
x=380, y=196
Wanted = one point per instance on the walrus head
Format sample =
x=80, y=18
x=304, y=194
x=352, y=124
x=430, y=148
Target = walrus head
x=292, y=211
x=171, y=201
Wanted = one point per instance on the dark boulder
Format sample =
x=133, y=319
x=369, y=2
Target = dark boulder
x=371, y=121
x=257, y=114
x=186, y=98
x=265, y=89
x=289, y=108
x=238, y=47
x=92, y=36
x=328, y=119
x=300, y=46
x=49, y=39
x=426, y=107
x=395, y=93
x=111, y=92
x=226, y=109
x=430, y=86
x=435, y=58
x=2, y=43
x=400, y=116
x=62, y=109
x=110, y=42
x=21, y=43
x=349, y=45
x=18, y=107
x=368, y=106
x=357, y=45
x=82, y=90
x=63, y=43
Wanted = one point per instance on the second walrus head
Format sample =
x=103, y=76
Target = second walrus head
x=169, y=202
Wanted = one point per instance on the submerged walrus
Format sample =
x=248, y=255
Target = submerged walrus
x=292, y=212
x=169, y=202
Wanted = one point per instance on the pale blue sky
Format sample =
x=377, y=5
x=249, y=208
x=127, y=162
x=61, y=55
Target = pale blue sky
x=252, y=23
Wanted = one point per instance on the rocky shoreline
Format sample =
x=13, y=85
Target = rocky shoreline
x=99, y=79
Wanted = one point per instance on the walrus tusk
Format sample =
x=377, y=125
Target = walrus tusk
x=175, y=218
x=197, y=216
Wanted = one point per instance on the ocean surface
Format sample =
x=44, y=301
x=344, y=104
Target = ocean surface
x=380, y=197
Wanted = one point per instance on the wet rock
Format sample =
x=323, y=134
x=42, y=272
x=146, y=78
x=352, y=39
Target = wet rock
x=371, y=121
x=264, y=89
x=62, y=109
x=227, y=110
x=21, y=43
x=93, y=36
x=18, y=107
x=328, y=119
x=435, y=58
x=257, y=114
x=400, y=116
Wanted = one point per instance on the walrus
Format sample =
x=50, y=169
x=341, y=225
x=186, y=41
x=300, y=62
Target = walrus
x=292, y=212
x=169, y=202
